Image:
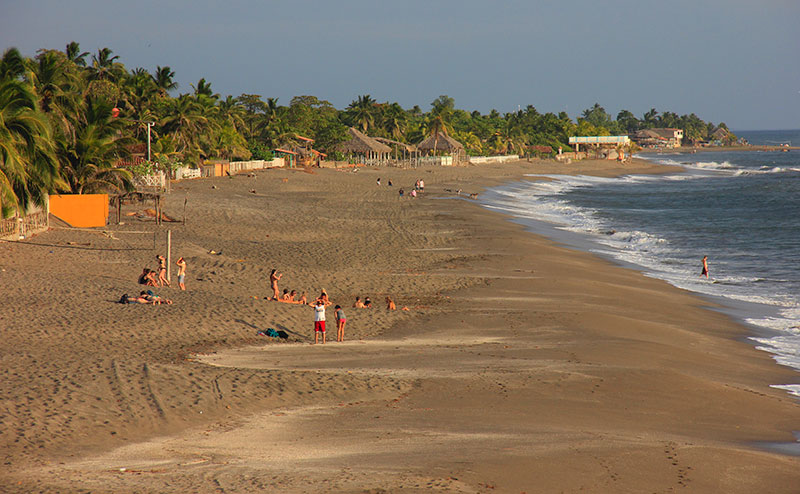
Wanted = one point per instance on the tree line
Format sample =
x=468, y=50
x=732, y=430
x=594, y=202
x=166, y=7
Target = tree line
x=67, y=118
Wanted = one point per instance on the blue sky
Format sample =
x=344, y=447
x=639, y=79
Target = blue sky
x=729, y=61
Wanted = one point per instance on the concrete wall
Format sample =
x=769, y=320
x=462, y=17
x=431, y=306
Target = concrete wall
x=81, y=210
x=480, y=160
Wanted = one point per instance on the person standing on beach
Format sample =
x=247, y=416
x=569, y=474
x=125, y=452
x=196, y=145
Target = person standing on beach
x=341, y=320
x=421, y=185
x=274, y=276
x=181, y=273
x=705, y=267
x=319, y=320
x=162, y=270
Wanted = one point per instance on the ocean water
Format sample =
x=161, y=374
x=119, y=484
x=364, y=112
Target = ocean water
x=741, y=209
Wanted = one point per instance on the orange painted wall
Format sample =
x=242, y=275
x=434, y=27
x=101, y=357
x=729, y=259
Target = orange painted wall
x=81, y=210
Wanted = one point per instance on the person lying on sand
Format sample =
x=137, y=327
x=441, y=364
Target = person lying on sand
x=359, y=304
x=155, y=299
x=390, y=305
x=126, y=299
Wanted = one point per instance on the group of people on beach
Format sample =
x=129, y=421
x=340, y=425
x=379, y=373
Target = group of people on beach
x=319, y=304
x=149, y=277
x=419, y=188
x=159, y=278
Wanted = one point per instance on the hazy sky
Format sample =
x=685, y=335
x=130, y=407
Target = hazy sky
x=731, y=61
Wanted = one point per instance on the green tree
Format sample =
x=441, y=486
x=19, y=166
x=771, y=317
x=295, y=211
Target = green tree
x=164, y=80
x=361, y=112
x=28, y=168
x=88, y=162
x=75, y=55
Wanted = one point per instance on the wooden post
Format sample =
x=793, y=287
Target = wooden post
x=169, y=254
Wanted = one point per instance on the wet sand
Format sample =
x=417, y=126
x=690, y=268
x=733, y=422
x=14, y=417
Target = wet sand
x=520, y=366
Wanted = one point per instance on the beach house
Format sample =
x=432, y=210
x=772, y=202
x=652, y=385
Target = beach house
x=659, y=138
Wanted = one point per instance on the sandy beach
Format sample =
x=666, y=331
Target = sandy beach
x=519, y=366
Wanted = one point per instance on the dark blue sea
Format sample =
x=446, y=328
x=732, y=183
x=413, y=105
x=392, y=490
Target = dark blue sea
x=740, y=208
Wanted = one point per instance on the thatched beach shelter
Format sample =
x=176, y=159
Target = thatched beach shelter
x=366, y=148
x=403, y=153
x=441, y=142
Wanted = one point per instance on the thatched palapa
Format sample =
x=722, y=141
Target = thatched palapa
x=440, y=142
x=370, y=151
x=362, y=144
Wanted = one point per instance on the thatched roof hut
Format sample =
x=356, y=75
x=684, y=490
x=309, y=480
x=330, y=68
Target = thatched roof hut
x=362, y=144
x=406, y=147
x=440, y=142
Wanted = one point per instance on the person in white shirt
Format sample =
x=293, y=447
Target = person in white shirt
x=319, y=320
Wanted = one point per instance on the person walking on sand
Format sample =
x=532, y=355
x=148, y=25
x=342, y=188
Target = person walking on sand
x=705, y=267
x=319, y=320
x=274, y=276
x=162, y=270
x=181, y=273
x=341, y=320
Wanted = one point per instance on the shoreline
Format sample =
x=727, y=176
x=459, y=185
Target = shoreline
x=524, y=321
x=739, y=310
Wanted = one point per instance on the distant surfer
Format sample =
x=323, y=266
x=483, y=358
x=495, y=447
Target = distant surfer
x=705, y=267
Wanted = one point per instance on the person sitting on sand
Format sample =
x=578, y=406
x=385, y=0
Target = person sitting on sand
x=359, y=304
x=285, y=296
x=292, y=295
x=324, y=298
x=390, y=305
x=143, y=276
x=367, y=303
x=150, y=278
x=162, y=270
x=303, y=299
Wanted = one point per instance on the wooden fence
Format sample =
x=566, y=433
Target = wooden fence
x=18, y=228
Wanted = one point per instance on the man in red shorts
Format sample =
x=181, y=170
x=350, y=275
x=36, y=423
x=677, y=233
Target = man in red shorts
x=319, y=320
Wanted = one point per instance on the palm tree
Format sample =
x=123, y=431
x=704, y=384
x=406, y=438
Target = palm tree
x=395, y=121
x=232, y=111
x=59, y=88
x=74, y=54
x=88, y=164
x=362, y=111
x=436, y=127
x=163, y=80
x=203, y=88
x=184, y=122
x=28, y=169
x=103, y=66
